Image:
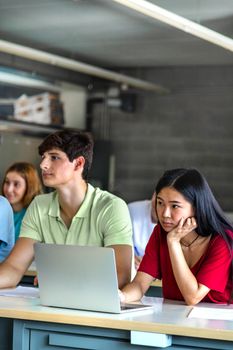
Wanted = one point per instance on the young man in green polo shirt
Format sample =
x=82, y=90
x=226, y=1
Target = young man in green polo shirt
x=75, y=213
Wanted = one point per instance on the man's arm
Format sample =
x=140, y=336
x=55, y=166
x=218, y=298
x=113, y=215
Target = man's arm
x=123, y=255
x=13, y=268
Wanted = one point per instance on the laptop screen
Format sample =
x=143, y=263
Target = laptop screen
x=78, y=277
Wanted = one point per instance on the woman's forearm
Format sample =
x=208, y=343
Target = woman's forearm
x=135, y=290
x=190, y=289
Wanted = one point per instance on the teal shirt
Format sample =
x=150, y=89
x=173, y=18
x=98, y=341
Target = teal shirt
x=18, y=217
x=102, y=220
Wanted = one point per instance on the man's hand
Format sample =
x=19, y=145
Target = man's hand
x=35, y=281
x=121, y=296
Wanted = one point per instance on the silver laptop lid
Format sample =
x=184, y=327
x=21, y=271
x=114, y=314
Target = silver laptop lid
x=77, y=277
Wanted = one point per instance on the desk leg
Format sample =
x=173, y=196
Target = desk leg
x=6, y=331
x=20, y=336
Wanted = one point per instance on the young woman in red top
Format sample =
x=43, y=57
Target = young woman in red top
x=191, y=247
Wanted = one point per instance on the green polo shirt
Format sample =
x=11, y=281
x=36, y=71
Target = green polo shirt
x=102, y=220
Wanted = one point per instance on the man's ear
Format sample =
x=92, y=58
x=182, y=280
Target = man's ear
x=79, y=162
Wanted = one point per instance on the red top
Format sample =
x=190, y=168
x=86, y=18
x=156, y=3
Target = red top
x=212, y=270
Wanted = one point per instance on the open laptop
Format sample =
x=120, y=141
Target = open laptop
x=79, y=277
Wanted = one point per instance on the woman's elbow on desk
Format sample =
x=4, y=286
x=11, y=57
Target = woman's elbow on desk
x=195, y=298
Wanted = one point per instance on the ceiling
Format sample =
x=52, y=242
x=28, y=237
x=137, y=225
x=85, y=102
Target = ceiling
x=109, y=35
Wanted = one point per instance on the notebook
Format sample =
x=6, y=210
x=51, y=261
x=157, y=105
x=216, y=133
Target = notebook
x=79, y=277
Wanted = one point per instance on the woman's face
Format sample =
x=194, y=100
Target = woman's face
x=171, y=206
x=14, y=187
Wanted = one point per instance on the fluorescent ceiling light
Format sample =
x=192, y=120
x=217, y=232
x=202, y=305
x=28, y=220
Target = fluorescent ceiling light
x=20, y=80
x=154, y=11
x=63, y=62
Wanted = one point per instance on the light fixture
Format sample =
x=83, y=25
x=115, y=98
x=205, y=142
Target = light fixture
x=63, y=62
x=156, y=12
x=15, y=78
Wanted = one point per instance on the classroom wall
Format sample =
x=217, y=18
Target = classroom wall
x=192, y=126
x=16, y=147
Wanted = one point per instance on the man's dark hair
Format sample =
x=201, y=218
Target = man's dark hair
x=73, y=143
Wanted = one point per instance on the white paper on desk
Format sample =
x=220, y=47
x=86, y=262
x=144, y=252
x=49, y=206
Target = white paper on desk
x=212, y=313
x=23, y=292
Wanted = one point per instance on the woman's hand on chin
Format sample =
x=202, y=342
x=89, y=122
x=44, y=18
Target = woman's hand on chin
x=184, y=227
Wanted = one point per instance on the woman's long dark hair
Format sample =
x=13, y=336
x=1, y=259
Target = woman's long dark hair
x=194, y=187
x=209, y=216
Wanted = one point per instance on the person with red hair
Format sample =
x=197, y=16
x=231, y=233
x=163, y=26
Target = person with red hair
x=21, y=184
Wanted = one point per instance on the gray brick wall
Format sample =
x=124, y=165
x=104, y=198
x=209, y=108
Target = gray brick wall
x=192, y=126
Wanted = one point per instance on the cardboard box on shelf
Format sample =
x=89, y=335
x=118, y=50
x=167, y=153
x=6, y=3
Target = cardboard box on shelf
x=44, y=108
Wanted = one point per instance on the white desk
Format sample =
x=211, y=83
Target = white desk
x=37, y=327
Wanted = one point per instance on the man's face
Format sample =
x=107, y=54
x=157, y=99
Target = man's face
x=57, y=170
